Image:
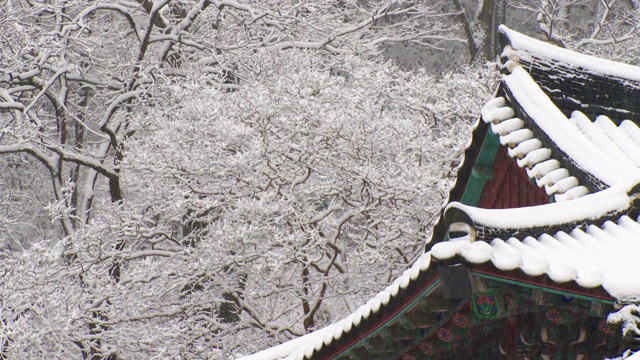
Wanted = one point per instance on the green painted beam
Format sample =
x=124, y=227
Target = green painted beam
x=482, y=170
x=531, y=286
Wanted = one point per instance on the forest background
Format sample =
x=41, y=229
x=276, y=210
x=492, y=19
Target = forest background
x=204, y=179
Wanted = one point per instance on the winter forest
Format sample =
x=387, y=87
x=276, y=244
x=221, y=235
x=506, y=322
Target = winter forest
x=203, y=179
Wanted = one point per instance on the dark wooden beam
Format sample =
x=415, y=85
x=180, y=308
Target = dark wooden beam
x=398, y=331
x=377, y=344
x=418, y=319
x=455, y=281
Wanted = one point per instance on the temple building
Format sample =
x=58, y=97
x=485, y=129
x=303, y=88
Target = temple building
x=536, y=254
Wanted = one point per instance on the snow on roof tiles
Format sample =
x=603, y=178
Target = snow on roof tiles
x=608, y=152
x=304, y=346
x=598, y=256
x=564, y=133
x=526, y=47
x=603, y=255
x=529, y=151
x=590, y=207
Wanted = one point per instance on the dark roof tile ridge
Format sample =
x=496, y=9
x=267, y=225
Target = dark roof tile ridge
x=577, y=152
x=525, y=46
x=594, y=208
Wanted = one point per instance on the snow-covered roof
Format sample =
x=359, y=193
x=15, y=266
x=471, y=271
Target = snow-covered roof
x=305, y=346
x=523, y=46
x=566, y=135
x=595, y=256
x=590, y=164
x=635, y=356
x=575, y=81
x=590, y=208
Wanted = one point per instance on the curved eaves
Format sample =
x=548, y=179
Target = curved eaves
x=324, y=342
x=594, y=256
x=534, y=151
x=550, y=123
x=593, y=208
x=575, y=81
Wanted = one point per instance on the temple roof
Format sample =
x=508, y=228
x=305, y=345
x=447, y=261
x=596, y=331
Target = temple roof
x=306, y=346
x=592, y=256
x=570, y=120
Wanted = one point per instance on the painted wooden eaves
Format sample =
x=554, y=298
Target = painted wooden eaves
x=306, y=346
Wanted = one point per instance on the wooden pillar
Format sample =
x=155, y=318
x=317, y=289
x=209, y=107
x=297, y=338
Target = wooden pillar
x=510, y=337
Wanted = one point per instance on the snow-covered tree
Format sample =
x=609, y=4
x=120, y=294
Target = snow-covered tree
x=220, y=175
x=253, y=215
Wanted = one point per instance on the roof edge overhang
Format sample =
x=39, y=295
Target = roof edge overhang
x=538, y=49
x=596, y=86
x=594, y=168
x=591, y=209
x=424, y=284
x=542, y=282
x=465, y=174
x=330, y=341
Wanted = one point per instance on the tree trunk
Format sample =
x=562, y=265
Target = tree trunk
x=483, y=45
x=491, y=16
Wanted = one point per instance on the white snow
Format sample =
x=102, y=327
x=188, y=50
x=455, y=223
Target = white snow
x=628, y=316
x=507, y=126
x=496, y=102
x=606, y=136
x=622, y=283
x=635, y=356
x=448, y=249
x=612, y=250
x=306, y=345
x=505, y=257
x=477, y=252
x=556, y=254
x=589, y=207
x=564, y=133
x=632, y=130
x=597, y=65
x=552, y=176
x=491, y=110
x=516, y=137
x=525, y=148
x=600, y=256
x=628, y=355
x=574, y=193
x=532, y=263
x=630, y=154
x=563, y=185
x=462, y=227
x=543, y=168
x=497, y=115
x=591, y=145
x=534, y=157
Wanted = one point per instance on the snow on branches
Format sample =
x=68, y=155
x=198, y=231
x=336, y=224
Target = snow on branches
x=213, y=176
